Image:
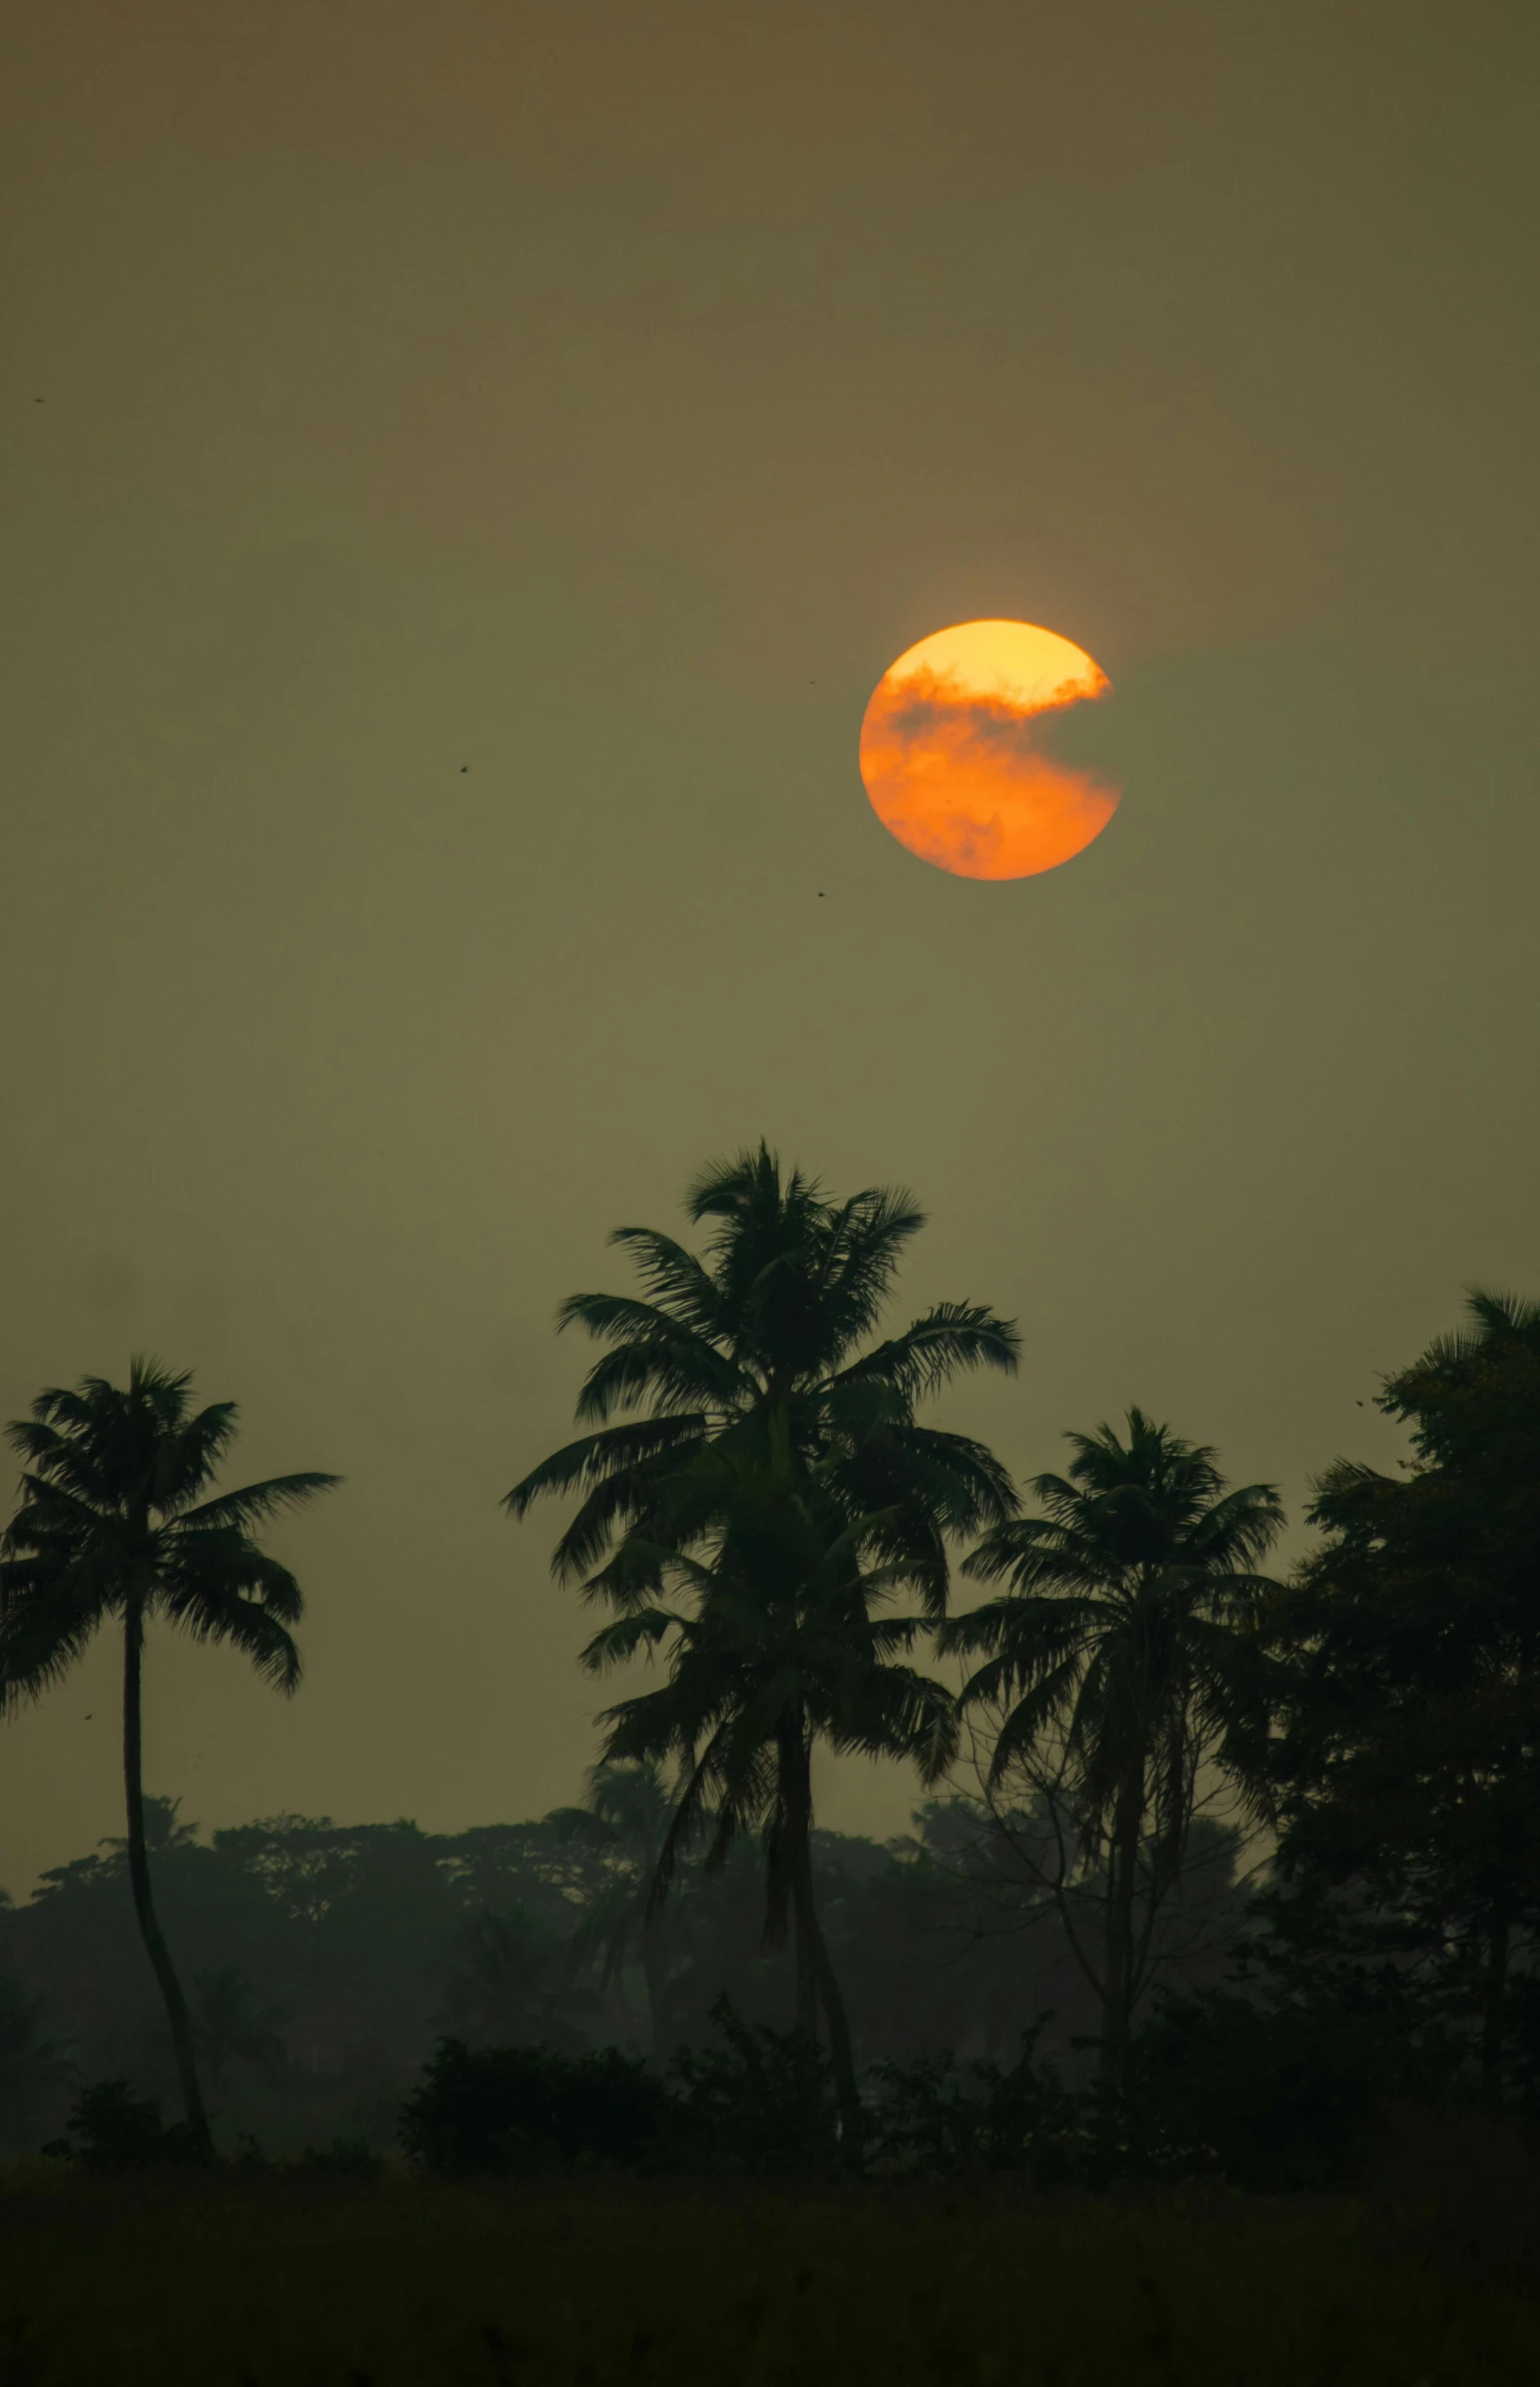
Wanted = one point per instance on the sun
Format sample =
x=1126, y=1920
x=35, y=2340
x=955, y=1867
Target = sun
x=954, y=759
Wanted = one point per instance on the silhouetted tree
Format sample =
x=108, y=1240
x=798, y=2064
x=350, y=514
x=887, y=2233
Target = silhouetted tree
x=765, y=1413
x=1127, y=1646
x=1411, y=1754
x=113, y=1525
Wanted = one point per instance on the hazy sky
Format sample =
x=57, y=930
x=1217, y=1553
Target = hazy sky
x=466, y=465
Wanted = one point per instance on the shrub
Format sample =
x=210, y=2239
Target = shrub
x=936, y=2116
x=111, y=2129
x=521, y=2109
x=1273, y=2095
x=763, y=2102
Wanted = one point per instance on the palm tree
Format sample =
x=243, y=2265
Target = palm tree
x=762, y=1340
x=769, y=1409
x=782, y=1641
x=1128, y=1638
x=113, y=1524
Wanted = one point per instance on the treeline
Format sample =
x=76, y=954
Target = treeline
x=759, y=1503
x=324, y=1962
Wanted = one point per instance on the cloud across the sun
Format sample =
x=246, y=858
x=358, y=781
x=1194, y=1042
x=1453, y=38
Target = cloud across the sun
x=956, y=754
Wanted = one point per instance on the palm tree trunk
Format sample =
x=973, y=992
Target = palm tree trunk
x=1118, y=1971
x=813, y=1960
x=144, y=1905
x=1493, y=2008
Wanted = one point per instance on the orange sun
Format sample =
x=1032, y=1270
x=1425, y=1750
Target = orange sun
x=954, y=757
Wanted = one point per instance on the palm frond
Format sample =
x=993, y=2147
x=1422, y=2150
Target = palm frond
x=255, y=1501
x=600, y=1458
x=952, y=1337
x=627, y=1637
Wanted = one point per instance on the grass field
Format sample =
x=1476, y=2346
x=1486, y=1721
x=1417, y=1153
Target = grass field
x=285, y=2281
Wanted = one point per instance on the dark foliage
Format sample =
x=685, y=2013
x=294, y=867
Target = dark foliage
x=511, y=2109
x=938, y=2117
x=111, y=2129
x=1408, y=1772
x=763, y=2102
x=1272, y=2094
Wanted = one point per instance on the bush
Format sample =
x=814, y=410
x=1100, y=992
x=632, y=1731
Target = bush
x=935, y=2115
x=110, y=2129
x=764, y=2103
x=1282, y=2093
x=493, y=2110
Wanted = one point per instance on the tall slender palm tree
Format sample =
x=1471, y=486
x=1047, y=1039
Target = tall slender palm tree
x=1128, y=1638
x=113, y=1524
x=781, y=1639
x=769, y=1406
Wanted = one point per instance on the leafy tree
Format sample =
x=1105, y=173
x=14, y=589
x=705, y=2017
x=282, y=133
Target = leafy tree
x=114, y=1524
x=1123, y=1660
x=770, y=1416
x=1410, y=1757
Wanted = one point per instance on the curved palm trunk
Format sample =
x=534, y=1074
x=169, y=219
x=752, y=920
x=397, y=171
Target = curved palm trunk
x=816, y=1978
x=144, y=1905
x=1118, y=1971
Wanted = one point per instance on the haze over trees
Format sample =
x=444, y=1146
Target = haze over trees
x=1136, y=1713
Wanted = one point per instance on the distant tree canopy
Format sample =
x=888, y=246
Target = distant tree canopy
x=323, y=1958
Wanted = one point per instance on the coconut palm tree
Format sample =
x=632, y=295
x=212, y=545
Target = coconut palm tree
x=767, y=1338
x=780, y=1639
x=768, y=1406
x=114, y=1525
x=1128, y=1639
